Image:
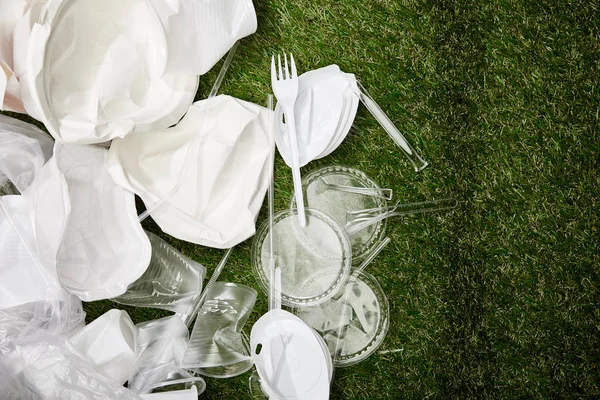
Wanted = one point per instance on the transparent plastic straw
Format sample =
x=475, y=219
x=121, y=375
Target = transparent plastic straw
x=223, y=71
x=385, y=122
x=385, y=194
x=159, y=203
x=272, y=289
x=348, y=288
x=189, y=318
x=358, y=220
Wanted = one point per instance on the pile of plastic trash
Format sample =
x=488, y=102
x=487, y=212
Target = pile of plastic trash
x=114, y=84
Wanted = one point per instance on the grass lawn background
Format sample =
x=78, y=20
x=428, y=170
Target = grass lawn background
x=499, y=298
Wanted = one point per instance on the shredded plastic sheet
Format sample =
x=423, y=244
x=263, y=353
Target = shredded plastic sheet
x=217, y=155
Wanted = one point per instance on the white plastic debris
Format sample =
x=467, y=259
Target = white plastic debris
x=31, y=228
x=104, y=248
x=11, y=11
x=325, y=110
x=24, y=149
x=217, y=155
x=96, y=71
x=110, y=343
x=199, y=33
x=292, y=360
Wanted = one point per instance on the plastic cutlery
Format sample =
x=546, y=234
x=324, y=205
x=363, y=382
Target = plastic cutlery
x=285, y=88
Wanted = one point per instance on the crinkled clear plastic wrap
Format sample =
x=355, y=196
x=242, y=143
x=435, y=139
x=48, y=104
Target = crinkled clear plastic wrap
x=37, y=362
x=45, y=366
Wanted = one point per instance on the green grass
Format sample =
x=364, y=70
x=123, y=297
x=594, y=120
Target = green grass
x=499, y=298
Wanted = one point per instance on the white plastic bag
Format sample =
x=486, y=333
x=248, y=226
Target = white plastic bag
x=31, y=229
x=24, y=149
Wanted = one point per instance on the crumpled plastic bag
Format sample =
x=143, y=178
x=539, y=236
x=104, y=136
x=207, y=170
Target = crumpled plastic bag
x=210, y=171
x=200, y=32
x=104, y=248
x=37, y=362
x=31, y=228
x=24, y=149
x=46, y=366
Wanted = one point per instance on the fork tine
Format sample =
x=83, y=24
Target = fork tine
x=280, y=72
x=287, y=69
x=273, y=70
x=294, y=72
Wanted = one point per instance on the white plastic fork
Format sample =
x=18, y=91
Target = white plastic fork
x=285, y=88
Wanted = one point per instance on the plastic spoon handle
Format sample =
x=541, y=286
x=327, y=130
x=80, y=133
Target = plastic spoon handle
x=385, y=194
x=348, y=288
x=391, y=129
x=291, y=124
x=359, y=220
x=223, y=71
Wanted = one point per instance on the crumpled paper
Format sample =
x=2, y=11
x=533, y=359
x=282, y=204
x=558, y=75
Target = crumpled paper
x=210, y=171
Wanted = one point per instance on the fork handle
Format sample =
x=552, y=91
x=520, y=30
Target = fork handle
x=291, y=127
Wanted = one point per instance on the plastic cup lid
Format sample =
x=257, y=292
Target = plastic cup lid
x=364, y=320
x=335, y=203
x=300, y=253
x=289, y=357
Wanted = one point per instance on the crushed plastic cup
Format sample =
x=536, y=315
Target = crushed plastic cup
x=172, y=281
x=217, y=346
x=160, y=347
